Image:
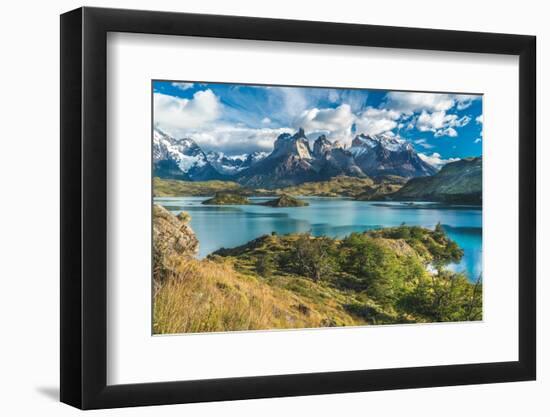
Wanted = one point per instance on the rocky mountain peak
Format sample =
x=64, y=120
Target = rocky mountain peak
x=388, y=155
x=321, y=146
x=296, y=145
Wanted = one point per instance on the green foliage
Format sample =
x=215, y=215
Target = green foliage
x=381, y=271
x=378, y=276
x=312, y=257
x=446, y=297
x=265, y=265
x=432, y=246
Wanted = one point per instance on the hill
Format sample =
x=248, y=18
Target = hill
x=178, y=188
x=300, y=281
x=227, y=198
x=457, y=182
x=285, y=201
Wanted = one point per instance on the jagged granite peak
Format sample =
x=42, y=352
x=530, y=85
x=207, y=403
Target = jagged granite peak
x=321, y=146
x=287, y=144
x=378, y=155
x=339, y=161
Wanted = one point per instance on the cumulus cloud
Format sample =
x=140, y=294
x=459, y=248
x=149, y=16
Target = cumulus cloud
x=441, y=123
x=183, y=86
x=181, y=113
x=234, y=140
x=335, y=123
x=375, y=121
x=435, y=159
x=266, y=120
x=407, y=102
x=479, y=119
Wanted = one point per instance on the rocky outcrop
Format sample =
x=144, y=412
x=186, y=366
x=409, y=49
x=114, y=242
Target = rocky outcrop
x=173, y=238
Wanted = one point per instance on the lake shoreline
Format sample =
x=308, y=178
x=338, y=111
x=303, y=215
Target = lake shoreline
x=233, y=225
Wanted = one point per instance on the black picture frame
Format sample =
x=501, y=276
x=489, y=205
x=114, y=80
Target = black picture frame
x=84, y=207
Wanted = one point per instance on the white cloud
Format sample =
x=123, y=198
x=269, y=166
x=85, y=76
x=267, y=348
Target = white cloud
x=183, y=86
x=335, y=123
x=431, y=121
x=479, y=119
x=435, y=159
x=407, y=102
x=180, y=113
x=477, y=140
x=423, y=143
x=463, y=101
x=449, y=131
x=441, y=123
x=234, y=140
x=266, y=120
x=375, y=121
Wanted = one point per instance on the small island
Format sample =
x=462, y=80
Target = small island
x=285, y=201
x=227, y=198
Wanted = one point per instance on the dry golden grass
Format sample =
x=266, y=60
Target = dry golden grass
x=210, y=296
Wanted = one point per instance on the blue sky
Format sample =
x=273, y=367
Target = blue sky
x=237, y=118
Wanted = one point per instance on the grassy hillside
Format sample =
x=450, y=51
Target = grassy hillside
x=378, y=192
x=208, y=296
x=377, y=277
x=174, y=188
x=335, y=187
x=297, y=281
x=457, y=182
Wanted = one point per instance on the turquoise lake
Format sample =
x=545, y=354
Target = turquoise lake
x=230, y=226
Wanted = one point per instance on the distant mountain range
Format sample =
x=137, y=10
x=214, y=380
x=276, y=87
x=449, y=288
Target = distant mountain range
x=291, y=162
x=181, y=159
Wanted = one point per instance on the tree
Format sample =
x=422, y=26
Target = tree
x=313, y=257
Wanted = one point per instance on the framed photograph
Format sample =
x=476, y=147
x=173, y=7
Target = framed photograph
x=257, y=208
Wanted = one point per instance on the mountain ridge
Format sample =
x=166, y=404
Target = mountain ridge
x=456, y=182
x=291, y=162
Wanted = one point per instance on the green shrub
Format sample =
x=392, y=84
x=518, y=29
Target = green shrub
x=314, y=258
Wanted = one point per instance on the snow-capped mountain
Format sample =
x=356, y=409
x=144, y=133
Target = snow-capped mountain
x=388, y=155
x=334, y=160
x=291, y=162
x=233, y=164
x=180, y=159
